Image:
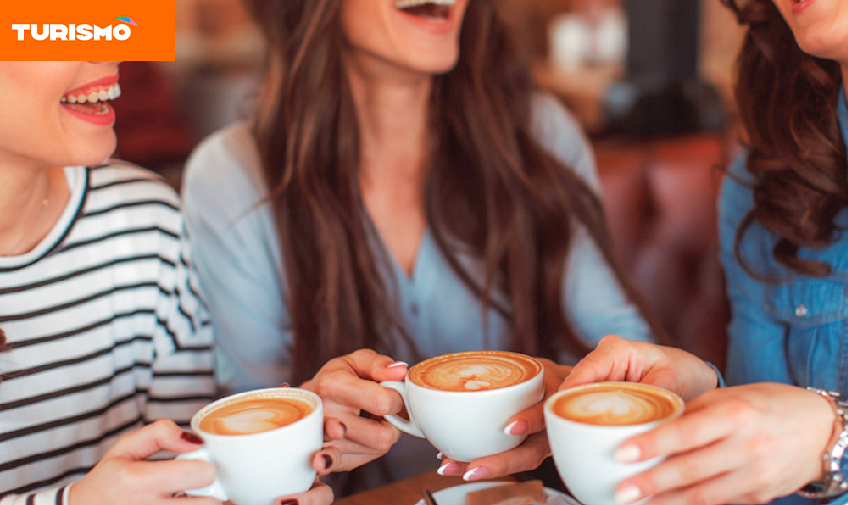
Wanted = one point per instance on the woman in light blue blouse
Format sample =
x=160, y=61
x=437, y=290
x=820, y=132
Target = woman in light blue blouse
x=783, y=215
x=395, y=193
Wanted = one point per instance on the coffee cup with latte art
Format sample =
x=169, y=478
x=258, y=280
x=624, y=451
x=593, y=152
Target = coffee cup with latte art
x=462, y=402
x=586, y=424
x=261, y=444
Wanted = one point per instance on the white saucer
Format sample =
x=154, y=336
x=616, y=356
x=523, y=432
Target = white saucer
x=456, y=495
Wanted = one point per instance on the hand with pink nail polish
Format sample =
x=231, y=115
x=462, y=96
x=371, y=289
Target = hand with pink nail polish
x=354, y=403
x=619, y=359
x=527, y=456
x=746, y=444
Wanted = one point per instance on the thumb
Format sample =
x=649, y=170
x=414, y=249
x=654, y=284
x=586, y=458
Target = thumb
x=161, y=435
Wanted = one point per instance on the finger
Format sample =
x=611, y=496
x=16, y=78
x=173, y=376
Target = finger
x=372, y=366
x=686, y=470
x=172, y=476
x=608, y=362
x=527, y=456
x=334, y=429
x=697, y=427
x=320, y=494
x=161, y=435
x=327, y=460
x=344, y=388
x=377, y=435
x=527, y=421
x=720, y=490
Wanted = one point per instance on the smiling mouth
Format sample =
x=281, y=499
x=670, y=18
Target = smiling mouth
x=433, y=10
x=92, y=100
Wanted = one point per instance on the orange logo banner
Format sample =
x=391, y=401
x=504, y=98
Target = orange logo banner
x=93, y=30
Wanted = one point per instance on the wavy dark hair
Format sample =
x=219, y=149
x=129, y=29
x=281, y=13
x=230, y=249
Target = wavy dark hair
x=492, y=190
x=787, y=100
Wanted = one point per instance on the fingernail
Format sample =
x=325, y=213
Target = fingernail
x=517, y=428
x=191, y=438
x=627, y=495
x=290, y=501
x=284, y=385
x=328, y=461
x=397, y=364
x=627, y=454
x=449, y=469
x=440, y=455
x=480, y=472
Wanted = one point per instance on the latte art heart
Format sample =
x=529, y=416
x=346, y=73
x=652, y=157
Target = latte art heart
x=615, y=406
x=474, y=371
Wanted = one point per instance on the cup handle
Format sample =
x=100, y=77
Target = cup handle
x=214, y=490
x=403, y=425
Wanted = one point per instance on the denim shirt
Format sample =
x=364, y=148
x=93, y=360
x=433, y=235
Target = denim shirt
x=791, y=330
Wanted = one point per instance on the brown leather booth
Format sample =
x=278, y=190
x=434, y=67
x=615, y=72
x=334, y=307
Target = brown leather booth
x=660, y=198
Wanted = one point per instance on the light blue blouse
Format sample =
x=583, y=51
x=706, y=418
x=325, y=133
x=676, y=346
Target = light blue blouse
x=241, y=270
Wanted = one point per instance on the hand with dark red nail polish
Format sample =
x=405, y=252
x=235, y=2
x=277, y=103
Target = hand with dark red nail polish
x=191, y=438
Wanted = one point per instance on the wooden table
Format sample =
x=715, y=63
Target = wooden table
x=405, y=492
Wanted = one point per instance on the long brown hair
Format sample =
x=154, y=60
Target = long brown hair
x=787, y=100
x=492, y=190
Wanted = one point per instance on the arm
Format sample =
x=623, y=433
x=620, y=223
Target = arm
x=182, y=380
x=238, y=263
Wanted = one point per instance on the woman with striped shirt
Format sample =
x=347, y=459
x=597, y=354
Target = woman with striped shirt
x=109, y=343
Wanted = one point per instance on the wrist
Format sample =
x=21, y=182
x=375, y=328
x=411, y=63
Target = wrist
x=833, y=465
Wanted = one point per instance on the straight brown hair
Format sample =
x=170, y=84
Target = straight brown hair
x=492, y=191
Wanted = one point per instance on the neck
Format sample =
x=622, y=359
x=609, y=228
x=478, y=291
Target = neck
x=24, y=218
x=392, y=107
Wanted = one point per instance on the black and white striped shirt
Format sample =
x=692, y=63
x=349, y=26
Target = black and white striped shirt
x=107, y=330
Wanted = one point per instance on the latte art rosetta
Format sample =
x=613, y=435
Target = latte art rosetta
x=476, y=371
x=615, y=406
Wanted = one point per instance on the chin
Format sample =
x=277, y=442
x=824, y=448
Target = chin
x=96, y=154
x=437, y=66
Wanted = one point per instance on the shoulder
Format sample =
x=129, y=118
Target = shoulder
x=736, y=199
x=228, y=162
x=122, y=186
x=558, y=131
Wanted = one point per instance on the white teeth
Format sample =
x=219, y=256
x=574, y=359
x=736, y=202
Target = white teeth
x=405, y=4
x=111, y=93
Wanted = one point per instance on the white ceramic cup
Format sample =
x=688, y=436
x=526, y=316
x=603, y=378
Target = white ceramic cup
x=258, y=468
x=584, y=453
x=466, y=425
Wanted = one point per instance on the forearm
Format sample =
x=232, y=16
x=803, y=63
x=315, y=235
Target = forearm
x=59, y=495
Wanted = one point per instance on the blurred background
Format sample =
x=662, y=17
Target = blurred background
x=649, y=80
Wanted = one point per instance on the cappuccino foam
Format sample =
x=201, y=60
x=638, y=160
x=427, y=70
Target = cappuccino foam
x=254, y=415
x=616, y=404
x=474, y=371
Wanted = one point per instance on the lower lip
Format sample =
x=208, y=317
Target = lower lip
x=798, y=8
x=436, y=28
x=107, y=119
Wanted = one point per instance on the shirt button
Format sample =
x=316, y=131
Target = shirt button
x=414, y=309
x=801, y=310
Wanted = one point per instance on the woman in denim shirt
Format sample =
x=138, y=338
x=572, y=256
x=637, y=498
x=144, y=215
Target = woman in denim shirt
x=782, y=210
